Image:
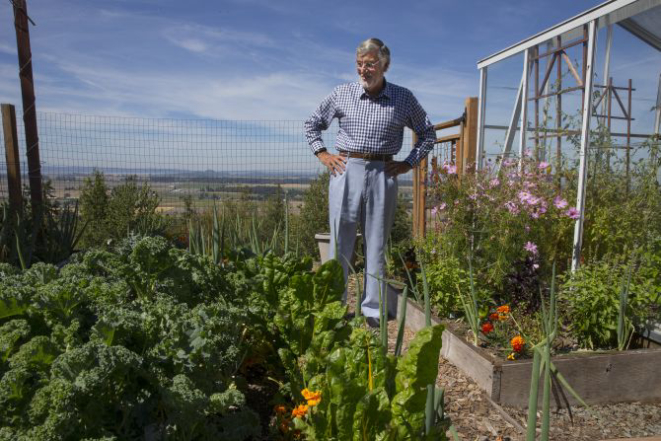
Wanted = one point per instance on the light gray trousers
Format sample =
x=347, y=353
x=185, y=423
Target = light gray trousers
x=363, y=193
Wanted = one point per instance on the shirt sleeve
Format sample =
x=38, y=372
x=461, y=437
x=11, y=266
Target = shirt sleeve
x=320, y=120
x=420, y=124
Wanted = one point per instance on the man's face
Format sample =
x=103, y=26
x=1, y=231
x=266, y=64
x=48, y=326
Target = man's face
x=370, y=71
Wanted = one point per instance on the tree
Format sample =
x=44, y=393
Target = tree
x=313, y=217
x=94, y=209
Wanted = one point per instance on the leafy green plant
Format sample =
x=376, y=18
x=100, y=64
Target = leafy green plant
x=146, y=340
x=593, y=296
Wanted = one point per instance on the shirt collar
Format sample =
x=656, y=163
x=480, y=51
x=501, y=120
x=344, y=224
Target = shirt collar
x=385, y=92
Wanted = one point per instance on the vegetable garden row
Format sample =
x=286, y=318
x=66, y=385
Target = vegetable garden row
x=147, y=341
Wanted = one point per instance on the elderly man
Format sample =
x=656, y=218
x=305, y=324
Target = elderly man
x=372, y=114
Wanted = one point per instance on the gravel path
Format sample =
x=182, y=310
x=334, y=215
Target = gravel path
x=477, y=418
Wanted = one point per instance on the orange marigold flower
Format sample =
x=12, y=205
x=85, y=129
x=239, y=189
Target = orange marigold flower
x=518, y=343
x=280, y=409
x=312, y=397
x=494, y=317
x=505, y=309
x=299, y=411
x=487, y=328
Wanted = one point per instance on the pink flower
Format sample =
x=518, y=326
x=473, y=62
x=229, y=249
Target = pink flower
x=494, y=183
x=524, y=196
x=559, y=203
x=472, y=196
x=531, y=248
x=543, y=165
x=533, y=200
x=449, y=168
x=573, y=213
x=442, y=206
x=434, y=211
x=535, y=266
x=509, y=162
x=511, y=207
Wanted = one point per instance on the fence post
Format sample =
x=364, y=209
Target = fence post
x=416, y=190
x=469, y=135
x=12, y=157
x=29, y=112
x=422, y=195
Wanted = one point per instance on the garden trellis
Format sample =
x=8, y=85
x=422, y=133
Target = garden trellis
x=544, y=53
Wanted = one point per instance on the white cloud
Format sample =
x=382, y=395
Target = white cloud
x=191, y=44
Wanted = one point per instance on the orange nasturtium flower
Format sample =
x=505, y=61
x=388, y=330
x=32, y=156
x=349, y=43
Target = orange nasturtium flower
x=487, y=328
x=518, y=343
x=505, y=309
x=313, y=398
x=299, y=411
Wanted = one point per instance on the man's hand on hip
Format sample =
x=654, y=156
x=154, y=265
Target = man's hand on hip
x=335, y=163
x=395, y=168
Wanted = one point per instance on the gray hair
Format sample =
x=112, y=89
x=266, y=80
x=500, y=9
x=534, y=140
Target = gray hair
x=375, y=45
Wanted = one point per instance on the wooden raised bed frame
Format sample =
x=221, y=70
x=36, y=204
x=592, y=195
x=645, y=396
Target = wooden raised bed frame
x=599, y=378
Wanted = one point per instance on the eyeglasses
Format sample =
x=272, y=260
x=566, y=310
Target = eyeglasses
x=367, y=65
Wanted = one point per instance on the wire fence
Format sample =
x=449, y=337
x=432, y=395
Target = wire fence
x=195, y=159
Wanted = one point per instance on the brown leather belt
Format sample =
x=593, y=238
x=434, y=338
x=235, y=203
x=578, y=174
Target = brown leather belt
x=367, y=156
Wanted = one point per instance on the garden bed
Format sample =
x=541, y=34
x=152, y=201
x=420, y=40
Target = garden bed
x=598, y=377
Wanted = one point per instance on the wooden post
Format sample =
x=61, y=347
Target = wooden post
x=29, y=111
x=422, y=195
x=12, y=157
x=459, y=148
x=419, y=195
x=469, y=137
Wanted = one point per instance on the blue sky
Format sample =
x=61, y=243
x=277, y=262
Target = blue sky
x=256, y=59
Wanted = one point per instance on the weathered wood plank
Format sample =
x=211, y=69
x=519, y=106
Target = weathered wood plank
x=598, y=379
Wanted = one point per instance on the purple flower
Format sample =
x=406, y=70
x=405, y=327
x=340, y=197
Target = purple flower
x=495, y=182
x=543, y=165
x=559, y=203
x=442, y=206
x=472, y=196
x=573, y=213
x=511, y=207
x=449, y=168
x=524, y=196
x=531, y=248
x=434, y=211
x=509, y=162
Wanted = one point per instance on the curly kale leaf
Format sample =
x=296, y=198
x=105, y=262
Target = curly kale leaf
x=12, y=334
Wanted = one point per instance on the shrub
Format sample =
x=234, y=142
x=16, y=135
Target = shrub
x=592, y=299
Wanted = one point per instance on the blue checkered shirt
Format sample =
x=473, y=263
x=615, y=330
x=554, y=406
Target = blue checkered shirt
x=372, y=125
